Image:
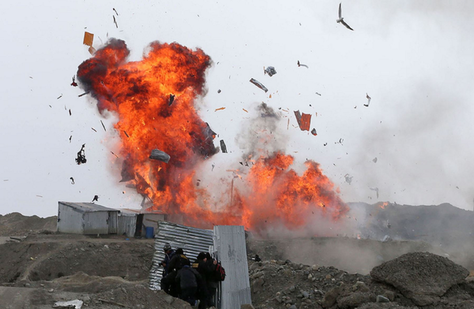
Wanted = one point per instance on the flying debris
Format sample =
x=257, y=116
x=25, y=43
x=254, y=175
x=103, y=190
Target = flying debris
x=115, y=11
x=95, y=199
x=114, y=154
x=219, y=91
x=314, y=132
x=348, y=178
x=375, y=160
x=376, y=191
x=115, y=21
x=93, y=129
x=341, y=19
x=270, y=71
x=74, y=84
x=157, y=154
x=59, y=96
x=103, y=126
x=318, y=93
x=304, y=120
x=88, y=38
x=368, y=100
x=171, y=99
x=81, y=156
x=325, y=144
x=219, y=109
x=70, y=113
x=70, y=138
x=302, y=65
x=245, y=110
x=223, y=146
x=72, y=180
x=83, y=94
x=258, y=84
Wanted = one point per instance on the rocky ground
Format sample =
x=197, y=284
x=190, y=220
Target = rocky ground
x=39, y=267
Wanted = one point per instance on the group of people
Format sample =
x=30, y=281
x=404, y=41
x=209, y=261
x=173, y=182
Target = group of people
x=189, y=281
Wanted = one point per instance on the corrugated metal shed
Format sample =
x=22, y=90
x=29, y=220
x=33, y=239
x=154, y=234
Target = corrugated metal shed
x=192, y=240
x=86, y=218
x=127, y=223
x=229, y=242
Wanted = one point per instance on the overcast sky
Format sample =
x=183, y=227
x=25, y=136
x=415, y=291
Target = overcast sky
x=413, y=58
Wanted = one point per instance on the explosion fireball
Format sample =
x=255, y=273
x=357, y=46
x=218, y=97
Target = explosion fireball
x=154, y=100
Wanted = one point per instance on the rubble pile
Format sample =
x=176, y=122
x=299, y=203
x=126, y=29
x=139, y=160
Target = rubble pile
x=413, y=280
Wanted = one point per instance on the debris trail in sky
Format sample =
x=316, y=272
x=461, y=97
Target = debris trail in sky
x=219, y=109
x=115, y=11
x=341, y=19
x=72, y=180
x=115, y=21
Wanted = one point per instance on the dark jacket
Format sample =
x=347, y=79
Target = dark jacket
x=166, y=261
x=177, y=262
x=206, y=269
x=188, y=277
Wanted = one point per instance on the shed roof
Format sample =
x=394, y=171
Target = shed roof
x=88, y=207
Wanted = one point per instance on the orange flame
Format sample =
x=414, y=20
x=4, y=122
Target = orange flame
x=154, y=100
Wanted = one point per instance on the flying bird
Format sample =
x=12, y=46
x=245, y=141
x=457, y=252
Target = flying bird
x=341, y=19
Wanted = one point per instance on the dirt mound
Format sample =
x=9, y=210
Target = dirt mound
x=283, y=284
x=15, y=224
x=47, y=257
x=420, y=276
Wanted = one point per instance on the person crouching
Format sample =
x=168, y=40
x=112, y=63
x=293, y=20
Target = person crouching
x=189, y=280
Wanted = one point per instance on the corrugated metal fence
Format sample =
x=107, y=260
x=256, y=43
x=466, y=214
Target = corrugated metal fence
x=192, y=240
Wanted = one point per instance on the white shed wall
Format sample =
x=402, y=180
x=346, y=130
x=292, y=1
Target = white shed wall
x=127, y=225
x=96, y=222
x=69, y=220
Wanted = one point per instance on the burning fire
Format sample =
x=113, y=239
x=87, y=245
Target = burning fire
x=154, y=100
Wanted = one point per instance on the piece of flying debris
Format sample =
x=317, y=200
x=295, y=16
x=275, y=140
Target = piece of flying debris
x=301, y=65
x=368, y=100
x=258, y=84
x=157, y=154
x=270, y=71
x=341, y=19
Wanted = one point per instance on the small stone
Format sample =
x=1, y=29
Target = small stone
x=292, y=288
x=382, y=299
x=51, y=290
x=328, y=276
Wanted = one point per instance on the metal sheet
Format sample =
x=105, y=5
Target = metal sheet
x=192, y=240
x=229, y=242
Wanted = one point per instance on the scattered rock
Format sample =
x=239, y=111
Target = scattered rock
x=420, y=276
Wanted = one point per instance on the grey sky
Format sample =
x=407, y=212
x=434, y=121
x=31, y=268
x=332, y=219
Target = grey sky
x=413, y=58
